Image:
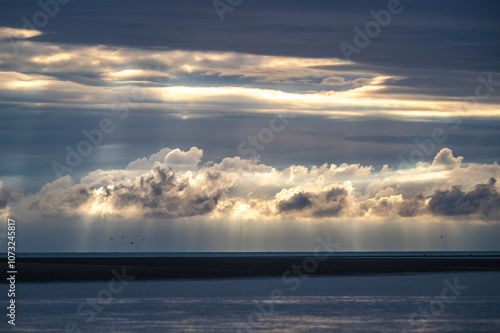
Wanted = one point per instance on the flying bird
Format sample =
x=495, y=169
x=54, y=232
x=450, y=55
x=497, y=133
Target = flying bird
x=131, y=242
x=111, y=238
x=441, y=236
x=123, y=237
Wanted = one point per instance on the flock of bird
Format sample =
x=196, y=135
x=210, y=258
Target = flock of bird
x=132, y=243
x=123, y=237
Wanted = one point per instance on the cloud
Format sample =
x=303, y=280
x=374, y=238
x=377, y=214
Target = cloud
x=298, y=201
x=146, y=163
x=174, y=158
x=292, y=28
x=165, y=193
x=328, y=201
x=184, y=160
x=9, y=196
x=334, y=81
x=445, y=158
x=393, y=206
x=413, y=207
x=150, y=187
x=215, y=82
x=6, y=33
x=483, y=200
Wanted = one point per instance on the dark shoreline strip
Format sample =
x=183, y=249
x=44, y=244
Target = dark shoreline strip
x=154, y=268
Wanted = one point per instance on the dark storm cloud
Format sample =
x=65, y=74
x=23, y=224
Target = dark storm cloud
x=162, y=193
x=298, y=202
x=327, y=203
x=483, y=200
x=148, y=191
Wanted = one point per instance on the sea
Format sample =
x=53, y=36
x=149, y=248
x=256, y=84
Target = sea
x=431, y=302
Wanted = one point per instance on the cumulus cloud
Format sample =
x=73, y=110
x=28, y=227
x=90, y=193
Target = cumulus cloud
x=413, y=207
x=163, y=192
x=445, y=158
x=483, y=200
x=393, y=206
x=173, y=184
x=167, y=157
x=184, y=160
x=160, y=192
x=298, y=201
x=147, y=163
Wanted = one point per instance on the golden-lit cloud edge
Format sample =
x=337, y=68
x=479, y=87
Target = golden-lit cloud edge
x=197, y=84
x=173, y=185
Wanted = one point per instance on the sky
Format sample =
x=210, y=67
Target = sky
x=250, y=125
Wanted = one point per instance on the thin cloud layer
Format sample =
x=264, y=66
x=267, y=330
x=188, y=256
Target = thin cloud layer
x=200, y=83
